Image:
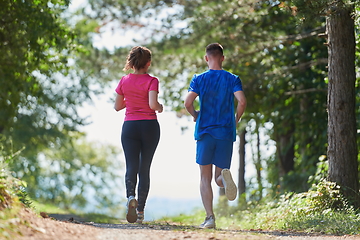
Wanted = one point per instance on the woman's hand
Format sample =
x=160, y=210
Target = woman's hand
x=160, y=110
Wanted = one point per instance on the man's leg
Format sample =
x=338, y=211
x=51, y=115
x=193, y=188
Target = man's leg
x=206, y=189
x=218, y=177
x=222, y=158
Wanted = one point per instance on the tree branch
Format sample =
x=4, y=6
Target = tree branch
x=302, y=91
x=300, y=36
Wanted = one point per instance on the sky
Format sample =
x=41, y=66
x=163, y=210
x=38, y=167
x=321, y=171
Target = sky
x=175, y=176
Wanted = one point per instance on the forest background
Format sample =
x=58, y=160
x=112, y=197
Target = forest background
x=51, y=66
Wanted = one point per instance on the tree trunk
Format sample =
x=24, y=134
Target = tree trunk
x=285, y=147
x=258, y=163
x=342, y=148
x=285, y=151
x=241, y=180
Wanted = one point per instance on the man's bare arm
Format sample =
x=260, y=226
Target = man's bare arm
x=189, y=104
x=241, y=99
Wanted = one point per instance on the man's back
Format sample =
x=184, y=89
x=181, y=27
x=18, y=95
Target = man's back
x=216, y=94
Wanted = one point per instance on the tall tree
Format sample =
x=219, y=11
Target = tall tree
x=241, y=173
x=37, y=104
x=40, y=93
x=342, y=141
x=342, y=144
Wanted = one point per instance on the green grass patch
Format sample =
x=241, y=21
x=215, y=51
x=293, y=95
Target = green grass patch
x=320, y=210
x=193, y=220
x=48, y=208
x=88, y=217
x=9, y=221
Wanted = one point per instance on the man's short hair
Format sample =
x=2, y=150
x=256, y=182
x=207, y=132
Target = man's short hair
x=214, y=49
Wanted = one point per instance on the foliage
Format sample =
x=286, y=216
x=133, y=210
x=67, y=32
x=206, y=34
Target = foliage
x=76, y=175
x=315, y=9
x=44, y=82
x=324, y=196
x=37, y=105
x=322, y=209
x=12, y=199
x=12, y=190
x=93, y=64
x=322, y=168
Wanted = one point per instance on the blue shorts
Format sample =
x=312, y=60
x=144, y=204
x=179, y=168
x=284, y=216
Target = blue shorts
x=214, y=151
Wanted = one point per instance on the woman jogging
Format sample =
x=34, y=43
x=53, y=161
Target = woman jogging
x=138, y=93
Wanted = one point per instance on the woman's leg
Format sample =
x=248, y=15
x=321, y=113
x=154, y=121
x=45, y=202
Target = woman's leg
x=150, y=138
x=131, y=143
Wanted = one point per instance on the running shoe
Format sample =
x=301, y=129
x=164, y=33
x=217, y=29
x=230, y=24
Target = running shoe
x=131, y=215
x=209, y=222
x=230, y=187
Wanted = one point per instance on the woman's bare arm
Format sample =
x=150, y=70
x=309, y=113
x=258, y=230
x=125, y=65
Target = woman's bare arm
x=153, y=102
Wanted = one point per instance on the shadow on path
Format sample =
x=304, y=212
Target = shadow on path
x=68, y=217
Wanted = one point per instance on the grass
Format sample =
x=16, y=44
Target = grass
x=9, y=221
x=89, y=217
x=320, y=210
x=48, y=208
x=11, y=196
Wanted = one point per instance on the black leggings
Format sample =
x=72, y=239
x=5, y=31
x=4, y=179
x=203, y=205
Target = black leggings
x=139, y=140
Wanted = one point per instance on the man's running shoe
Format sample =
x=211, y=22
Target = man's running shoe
x=230, y=187
x=209, y=222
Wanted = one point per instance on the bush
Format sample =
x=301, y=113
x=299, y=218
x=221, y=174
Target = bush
x=12, y=199
x=11, y=189
x=322, y=209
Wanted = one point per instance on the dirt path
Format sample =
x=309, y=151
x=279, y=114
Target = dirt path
x=72, y=229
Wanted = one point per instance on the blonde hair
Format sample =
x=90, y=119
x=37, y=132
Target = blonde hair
x=138, y=58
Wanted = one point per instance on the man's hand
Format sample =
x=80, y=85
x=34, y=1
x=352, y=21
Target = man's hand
x=196, y=115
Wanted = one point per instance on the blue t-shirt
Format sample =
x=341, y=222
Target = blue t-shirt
x=216, y=95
